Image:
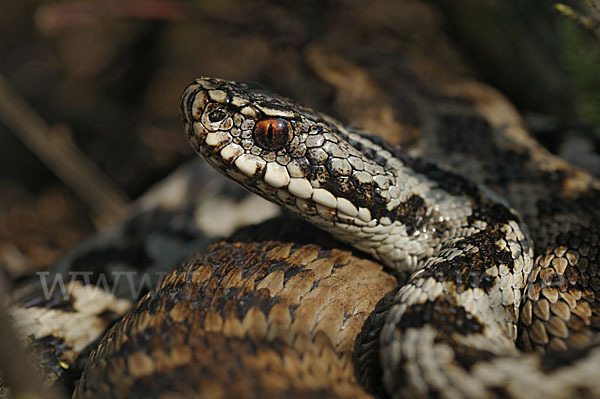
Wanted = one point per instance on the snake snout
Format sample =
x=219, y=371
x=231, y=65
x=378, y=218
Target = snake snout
x=187, y=102
x=206, y=116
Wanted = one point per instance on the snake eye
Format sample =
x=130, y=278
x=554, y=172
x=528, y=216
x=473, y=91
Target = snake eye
x=272, y=134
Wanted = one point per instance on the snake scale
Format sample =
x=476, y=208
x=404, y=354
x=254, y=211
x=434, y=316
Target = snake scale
x=482, y=272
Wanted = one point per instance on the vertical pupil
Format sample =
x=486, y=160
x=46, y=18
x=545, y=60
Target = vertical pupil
x=270, y=134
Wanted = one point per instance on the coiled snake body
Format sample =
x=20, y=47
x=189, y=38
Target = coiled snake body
x=473, y=286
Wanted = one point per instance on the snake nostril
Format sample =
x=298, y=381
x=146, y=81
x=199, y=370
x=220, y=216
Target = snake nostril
x=217, y=115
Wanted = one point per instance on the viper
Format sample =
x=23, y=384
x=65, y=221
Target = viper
x=495, y=254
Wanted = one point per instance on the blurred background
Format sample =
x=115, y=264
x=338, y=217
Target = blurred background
x=89, y=89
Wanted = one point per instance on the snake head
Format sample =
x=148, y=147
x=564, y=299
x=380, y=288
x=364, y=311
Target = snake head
x=289, y=154
x=240, y=127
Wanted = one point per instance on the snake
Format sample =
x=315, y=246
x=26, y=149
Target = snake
x=497, y=286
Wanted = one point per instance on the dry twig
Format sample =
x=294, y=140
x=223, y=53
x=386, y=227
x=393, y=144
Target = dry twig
x=61, y=155
x=589, y=21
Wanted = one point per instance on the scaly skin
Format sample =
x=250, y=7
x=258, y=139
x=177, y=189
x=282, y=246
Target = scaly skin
x=453, y=326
